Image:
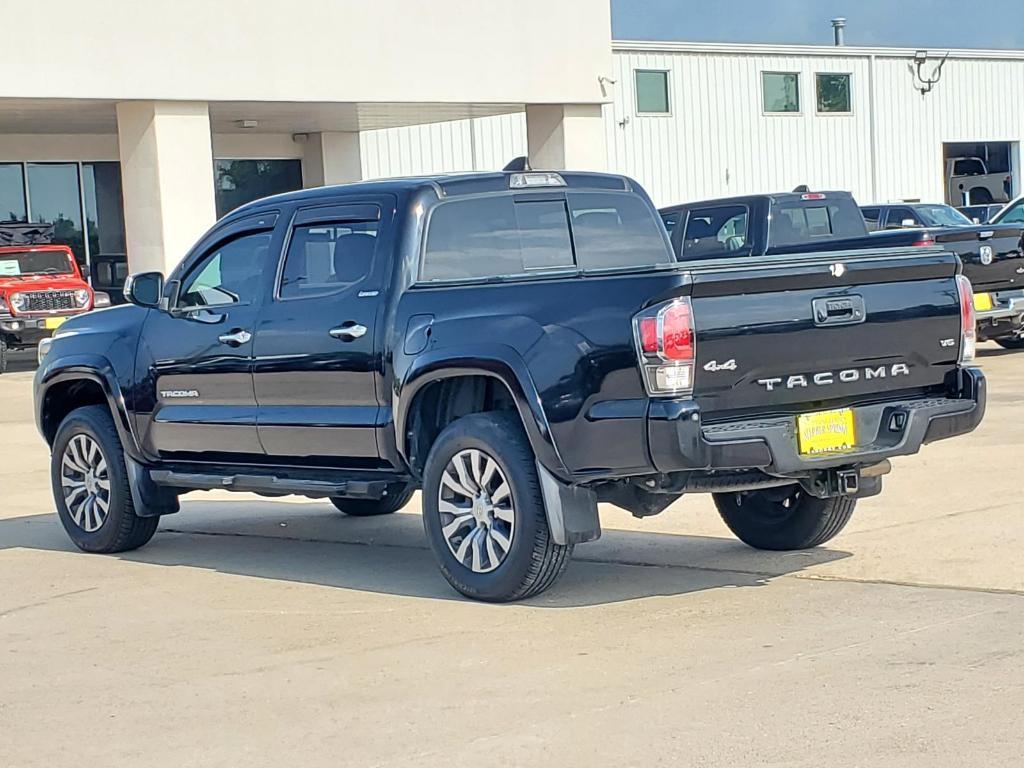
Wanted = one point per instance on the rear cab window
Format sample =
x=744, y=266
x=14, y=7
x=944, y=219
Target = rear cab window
x=795, y=222
x=716, y=231
x=508, y=235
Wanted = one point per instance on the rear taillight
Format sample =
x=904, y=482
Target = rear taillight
x=923, y=239
x=968, y=319
x=667, y=347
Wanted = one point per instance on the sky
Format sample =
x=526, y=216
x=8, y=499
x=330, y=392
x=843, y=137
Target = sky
x=902, y=23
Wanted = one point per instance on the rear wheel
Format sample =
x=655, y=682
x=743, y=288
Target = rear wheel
x=980, y=196
x=783, y=518
x=1011, y=342
x=483, y=511
x=397, y=496
x=90, y=485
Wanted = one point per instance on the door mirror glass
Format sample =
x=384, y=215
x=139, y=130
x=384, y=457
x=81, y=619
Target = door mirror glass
x=144, y=289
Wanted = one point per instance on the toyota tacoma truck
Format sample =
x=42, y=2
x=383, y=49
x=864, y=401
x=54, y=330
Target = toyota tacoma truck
x=520, y=347
x=40, y=287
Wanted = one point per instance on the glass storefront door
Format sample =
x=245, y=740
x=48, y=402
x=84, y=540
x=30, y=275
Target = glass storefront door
x=55, y=197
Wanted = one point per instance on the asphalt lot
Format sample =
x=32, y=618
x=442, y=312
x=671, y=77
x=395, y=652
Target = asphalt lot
x=280, y=633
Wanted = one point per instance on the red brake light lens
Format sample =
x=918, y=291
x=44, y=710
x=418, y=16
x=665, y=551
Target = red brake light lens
x=677, y=332
x=649, y=335
x=813, y=196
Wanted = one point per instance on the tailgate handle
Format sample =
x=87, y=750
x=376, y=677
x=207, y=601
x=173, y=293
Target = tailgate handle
x=839, y=310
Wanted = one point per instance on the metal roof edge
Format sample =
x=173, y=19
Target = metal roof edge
x=668, y=46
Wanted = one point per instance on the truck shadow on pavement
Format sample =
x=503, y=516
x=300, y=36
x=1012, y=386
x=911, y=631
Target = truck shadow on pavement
x=314, y=544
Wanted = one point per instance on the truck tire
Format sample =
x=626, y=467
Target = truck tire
x=483, y=511
x=90, y=485
x=1011, y=342
x=783, y=518
x=3, y=355
x=980, y=196
x=398, y=496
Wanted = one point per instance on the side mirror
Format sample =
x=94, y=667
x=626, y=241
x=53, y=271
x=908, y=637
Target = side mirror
x=908, y=223
x=144, y=289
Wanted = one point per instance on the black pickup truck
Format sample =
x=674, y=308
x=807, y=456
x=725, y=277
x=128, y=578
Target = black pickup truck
x=992, y=254
x=520, y=346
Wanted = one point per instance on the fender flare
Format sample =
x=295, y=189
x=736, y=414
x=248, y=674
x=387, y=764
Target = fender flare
x=496, y=361
x=97, y=369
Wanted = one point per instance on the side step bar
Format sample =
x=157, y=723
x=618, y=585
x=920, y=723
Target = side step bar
x=270, y=485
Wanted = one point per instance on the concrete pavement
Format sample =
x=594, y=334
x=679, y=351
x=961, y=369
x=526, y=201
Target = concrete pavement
x=277, y=633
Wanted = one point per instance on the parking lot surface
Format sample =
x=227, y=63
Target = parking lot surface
x=278, y=633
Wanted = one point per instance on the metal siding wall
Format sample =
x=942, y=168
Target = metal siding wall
x=443, y=147
x=717, y=142
x=974, y=101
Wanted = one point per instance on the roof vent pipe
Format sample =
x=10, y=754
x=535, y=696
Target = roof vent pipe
x=838, y=26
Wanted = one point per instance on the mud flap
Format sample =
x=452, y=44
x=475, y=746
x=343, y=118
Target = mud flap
x=150, y=499
x=571, y=509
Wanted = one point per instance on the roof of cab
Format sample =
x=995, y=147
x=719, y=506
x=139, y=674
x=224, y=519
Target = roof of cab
x=775, y=197
x=445, y=185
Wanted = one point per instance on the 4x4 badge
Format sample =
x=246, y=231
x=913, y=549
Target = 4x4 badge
x=714, y=365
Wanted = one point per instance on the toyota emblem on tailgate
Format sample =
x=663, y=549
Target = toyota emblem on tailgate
x=986, y=254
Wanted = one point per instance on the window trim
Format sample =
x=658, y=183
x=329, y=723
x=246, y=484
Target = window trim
x=817, y=106
x=799, y=112
x=323, y=214
x=668, y=92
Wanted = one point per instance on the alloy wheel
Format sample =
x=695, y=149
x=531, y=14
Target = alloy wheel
x=85, y=483
x=477, y=510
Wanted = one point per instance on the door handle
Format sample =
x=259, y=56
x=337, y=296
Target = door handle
x=348, y=331
x=235, y=339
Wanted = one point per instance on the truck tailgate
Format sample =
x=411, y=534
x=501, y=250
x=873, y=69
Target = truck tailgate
x=811, y=332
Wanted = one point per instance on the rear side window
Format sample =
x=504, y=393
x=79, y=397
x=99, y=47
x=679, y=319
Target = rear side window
x=613, y=231
x=500, y=235
x=325, y=257
x=969, y=167
x=715, y=231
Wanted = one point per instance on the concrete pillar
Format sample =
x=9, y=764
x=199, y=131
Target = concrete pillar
x=167, y=178
x=569, y=136
x=331, y=158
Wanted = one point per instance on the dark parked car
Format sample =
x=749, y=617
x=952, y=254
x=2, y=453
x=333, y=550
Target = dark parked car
x=913, y=215
x=520, y=346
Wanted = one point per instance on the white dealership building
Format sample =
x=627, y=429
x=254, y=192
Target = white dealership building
x=135, y=125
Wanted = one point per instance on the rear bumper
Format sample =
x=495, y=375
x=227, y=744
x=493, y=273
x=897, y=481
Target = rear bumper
x=1005, y=318
x=679, y=442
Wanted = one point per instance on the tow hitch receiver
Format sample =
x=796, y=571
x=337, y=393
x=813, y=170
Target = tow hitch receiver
x=845, y=482
x=848, y=482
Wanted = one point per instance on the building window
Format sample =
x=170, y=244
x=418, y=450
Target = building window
x=12, y=193
x=55, y=198
x=241, y=181
x=833, y=93
x=651, y=92
x=781, y=92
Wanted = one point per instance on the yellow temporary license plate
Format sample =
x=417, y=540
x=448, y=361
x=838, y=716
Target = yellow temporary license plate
x=826, y=431
x=983, y=301
x=54, y=322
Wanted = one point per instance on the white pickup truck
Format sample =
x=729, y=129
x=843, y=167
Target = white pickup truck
x=968, y=182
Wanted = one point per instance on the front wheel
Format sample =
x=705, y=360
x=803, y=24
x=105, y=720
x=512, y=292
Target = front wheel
x=784, y=518
x=90, y=485
x=483, y=511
